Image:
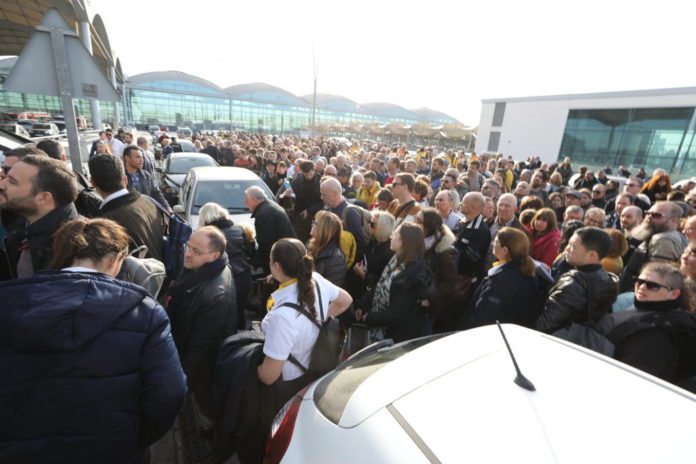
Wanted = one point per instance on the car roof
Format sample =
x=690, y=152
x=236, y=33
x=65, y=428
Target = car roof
x=189, y=154
x=451, y=374
x=223, y=173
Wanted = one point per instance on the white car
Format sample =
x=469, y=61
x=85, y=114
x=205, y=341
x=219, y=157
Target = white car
x=223, y=185
x=452, y=399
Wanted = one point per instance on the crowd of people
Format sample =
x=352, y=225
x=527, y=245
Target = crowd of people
x=399, y=243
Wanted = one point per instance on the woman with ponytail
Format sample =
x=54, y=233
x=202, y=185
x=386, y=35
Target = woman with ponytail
x=89, y=355
x=510, y=293
x=290, y=336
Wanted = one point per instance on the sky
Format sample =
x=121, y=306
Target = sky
x=444, y=55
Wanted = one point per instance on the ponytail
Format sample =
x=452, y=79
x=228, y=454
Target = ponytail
x=305, y=285
x=293, y=259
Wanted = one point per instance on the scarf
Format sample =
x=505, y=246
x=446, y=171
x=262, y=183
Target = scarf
x=380, y=301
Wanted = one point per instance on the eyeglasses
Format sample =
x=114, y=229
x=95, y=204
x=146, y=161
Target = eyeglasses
x=6, y=169
x=631, y=185
x=597, y=192
x=396, y=184
x=652, y=286
x=655, y=214
x=195, y=252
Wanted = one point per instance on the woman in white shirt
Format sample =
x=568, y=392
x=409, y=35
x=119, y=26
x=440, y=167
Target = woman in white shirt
x=287, y=331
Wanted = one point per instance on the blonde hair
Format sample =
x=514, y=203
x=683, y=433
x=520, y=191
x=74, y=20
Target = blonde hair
x=384, y=225
x=328, y=231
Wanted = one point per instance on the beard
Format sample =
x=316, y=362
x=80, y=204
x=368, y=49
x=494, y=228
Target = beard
x=22, y=206
x=643, y=231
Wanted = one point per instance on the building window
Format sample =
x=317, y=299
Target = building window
x=498, y=114
x=634, y=137
x=494, y=141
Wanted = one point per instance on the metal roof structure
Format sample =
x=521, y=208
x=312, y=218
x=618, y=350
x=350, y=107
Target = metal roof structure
x=19, y=18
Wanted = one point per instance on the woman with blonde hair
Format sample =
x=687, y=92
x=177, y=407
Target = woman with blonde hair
x=378, y=251
x=325, y=247
x=511, y=292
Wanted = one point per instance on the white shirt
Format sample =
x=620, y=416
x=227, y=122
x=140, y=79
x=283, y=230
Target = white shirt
x=289, y=332
x=117, y=147
x=113, y=196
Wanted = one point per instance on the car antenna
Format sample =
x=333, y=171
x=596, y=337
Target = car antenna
x=520, y=380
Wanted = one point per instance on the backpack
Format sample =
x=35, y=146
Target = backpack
x=88, y=203
x=365, y=216
x=348, y=244
x=327, y=349
x=174, y=240
x=149, y=273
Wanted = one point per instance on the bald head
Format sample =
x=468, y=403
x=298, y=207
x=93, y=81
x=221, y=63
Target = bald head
x=630, y=217
x=331, y=192
x=472, y=205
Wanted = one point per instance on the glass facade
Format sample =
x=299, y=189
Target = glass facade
x=638, y=137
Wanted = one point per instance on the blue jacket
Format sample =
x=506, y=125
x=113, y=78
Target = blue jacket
x=89, y=370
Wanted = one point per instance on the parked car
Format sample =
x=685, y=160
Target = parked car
x=174, y=169
x=27, y=123
x=185, y=132
x=453, y=398
x=153, y=129
x=14, y=128
x=44, y=129
x=222, y=185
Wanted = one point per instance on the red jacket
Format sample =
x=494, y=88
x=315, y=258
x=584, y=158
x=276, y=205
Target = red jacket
x=545, y=248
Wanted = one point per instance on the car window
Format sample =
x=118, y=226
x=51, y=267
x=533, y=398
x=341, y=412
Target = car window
x=227, y=193
x=183, y=164
x=333, y=393
x=41, y=126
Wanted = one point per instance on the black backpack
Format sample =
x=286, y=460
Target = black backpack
x=327, y=349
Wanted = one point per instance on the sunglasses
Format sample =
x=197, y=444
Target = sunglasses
x=372, y=224
x=650, y=285
x=6, y=169
x=655, y=214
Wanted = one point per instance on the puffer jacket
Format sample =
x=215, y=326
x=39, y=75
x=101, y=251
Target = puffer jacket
x=581, y=295
x=331, y=264
x=90, y=371
x=238, y=248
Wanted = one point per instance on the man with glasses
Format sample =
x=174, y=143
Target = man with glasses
x=599, y=196
x=202, y=308
x=690, y=229
x=404, y=207
x=661, y=240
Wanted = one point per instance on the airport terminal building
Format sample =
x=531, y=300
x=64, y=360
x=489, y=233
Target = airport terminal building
x=644, y=128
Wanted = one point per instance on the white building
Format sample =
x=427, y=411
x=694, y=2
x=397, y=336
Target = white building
x=644, y=128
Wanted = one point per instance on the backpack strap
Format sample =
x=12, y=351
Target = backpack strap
x=305, y=313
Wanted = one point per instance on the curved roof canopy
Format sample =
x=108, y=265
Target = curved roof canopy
x=176, y=81
x=390, y=110
x=333, y=103
x=265, y=93
x=19, y=18
x=427, y=114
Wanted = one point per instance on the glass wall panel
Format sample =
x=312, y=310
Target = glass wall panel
x=639, y=137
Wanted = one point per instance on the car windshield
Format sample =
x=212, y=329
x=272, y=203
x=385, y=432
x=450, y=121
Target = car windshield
x=41, y=127
x=227, y=193
x=183, y=164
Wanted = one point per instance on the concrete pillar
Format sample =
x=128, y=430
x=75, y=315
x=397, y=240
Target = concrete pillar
x=117, y=112
x=93, y=104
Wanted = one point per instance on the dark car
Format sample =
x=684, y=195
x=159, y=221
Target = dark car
x=174, y=169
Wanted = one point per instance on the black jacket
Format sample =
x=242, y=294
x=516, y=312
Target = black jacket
x=473, y=240
x=507, y=296
x=202, y=306
x=39, y=236
x=377, y=255
x=271, y=223
x=89, y=370
x=657, y=337
x=331, y=264
x=581, y=295
x=307, y=193
x=238, y=248
x=405, y=319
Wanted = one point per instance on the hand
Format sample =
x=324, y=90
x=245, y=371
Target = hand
x=269, y=279
x=359, y=269
x=358, y=314
x=304, y=214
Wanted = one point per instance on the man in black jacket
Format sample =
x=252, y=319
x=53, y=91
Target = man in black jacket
x=308, y=202
x=270, y=221
x=202, y=307
x=584, y=294
x=42, y=191
x=140, y=180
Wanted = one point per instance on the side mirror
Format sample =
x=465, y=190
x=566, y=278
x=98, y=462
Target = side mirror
x=179, y=209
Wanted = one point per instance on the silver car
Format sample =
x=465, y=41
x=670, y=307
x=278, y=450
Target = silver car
x=222, y=185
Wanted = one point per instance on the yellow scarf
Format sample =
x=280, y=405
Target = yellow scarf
x=271, y=301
